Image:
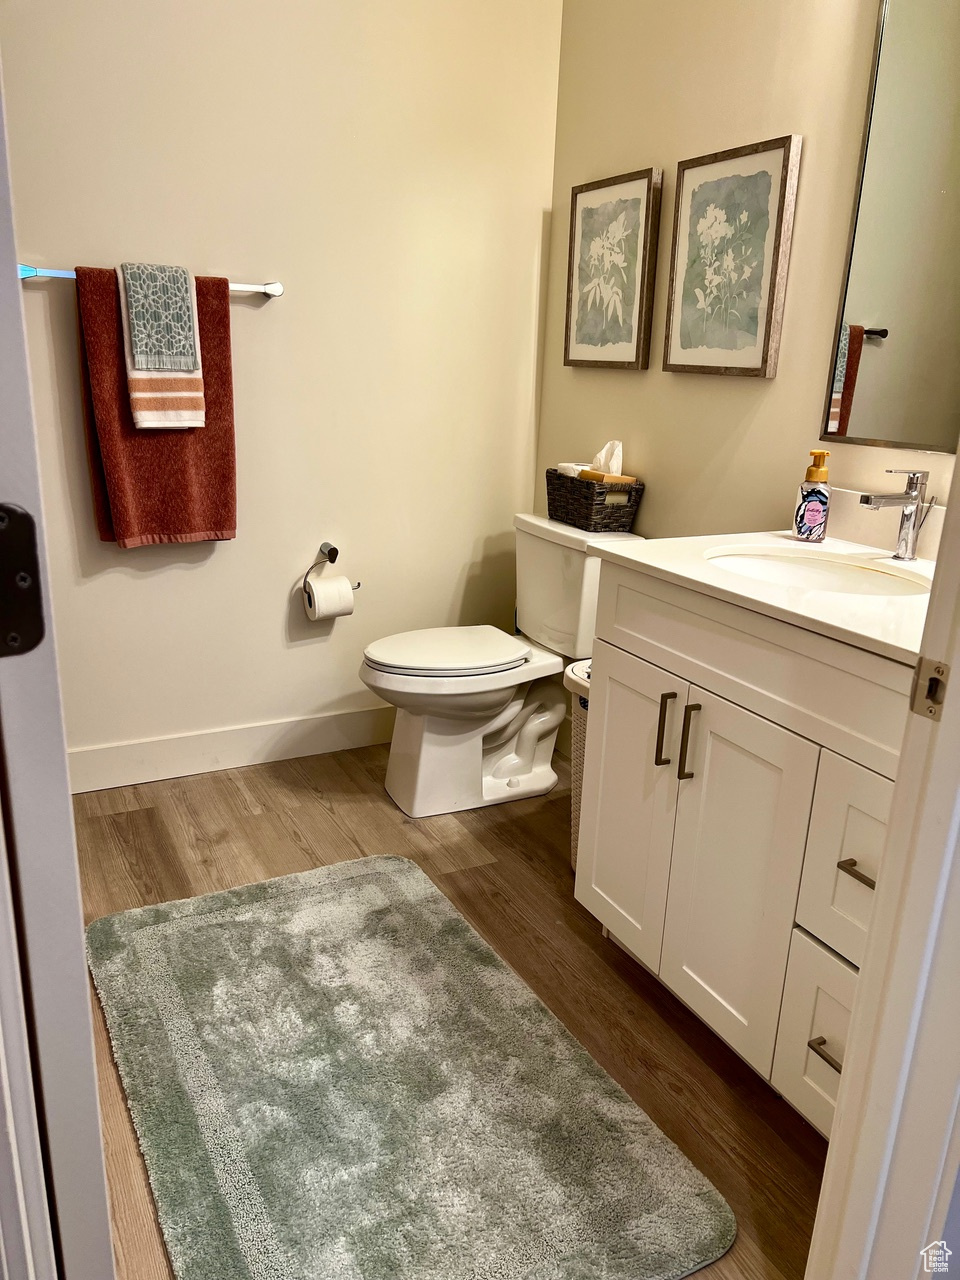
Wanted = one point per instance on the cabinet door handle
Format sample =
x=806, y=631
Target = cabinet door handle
x=849, y=865
x=688, y=710
x=658, y=756
x=817, y=1046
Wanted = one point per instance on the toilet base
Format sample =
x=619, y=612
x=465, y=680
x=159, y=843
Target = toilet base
x=442, y=765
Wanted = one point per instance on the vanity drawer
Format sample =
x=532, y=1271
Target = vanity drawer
x=848, y=828
x=814, y=1023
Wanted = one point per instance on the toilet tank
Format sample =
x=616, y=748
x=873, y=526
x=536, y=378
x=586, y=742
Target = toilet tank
x=557, y=583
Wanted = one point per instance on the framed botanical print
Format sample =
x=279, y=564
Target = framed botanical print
x=613, y=259
x=732, y=228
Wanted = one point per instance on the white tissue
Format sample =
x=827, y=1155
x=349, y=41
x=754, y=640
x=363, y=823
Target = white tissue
x=572, y=468
x=326, y=597
x=610, y=459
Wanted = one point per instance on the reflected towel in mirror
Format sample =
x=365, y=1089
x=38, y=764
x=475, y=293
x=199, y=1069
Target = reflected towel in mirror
x=849, y=350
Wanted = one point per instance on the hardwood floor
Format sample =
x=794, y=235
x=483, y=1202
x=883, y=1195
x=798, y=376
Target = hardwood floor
x=507, y=869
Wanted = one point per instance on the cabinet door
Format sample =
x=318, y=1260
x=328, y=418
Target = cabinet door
x=848, y=830
x=629, y=801
x=741, y=826
x=812, y=1039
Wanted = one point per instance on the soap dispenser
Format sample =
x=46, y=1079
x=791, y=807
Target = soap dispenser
x=813, y=500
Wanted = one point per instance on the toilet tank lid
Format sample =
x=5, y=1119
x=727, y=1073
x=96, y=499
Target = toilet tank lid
x=565, y=534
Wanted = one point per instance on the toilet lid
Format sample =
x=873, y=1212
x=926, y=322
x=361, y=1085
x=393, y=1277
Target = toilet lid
x=448, y=651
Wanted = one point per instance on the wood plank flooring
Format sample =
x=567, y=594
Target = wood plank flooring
x=507, y=869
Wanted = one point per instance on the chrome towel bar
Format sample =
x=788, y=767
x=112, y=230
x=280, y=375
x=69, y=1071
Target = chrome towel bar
x=273, y=289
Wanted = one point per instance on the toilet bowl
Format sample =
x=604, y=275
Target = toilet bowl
x=476, y=719
x=477, y=710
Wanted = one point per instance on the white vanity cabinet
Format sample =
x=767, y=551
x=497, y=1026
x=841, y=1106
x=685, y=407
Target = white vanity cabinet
x=745, y=790
x=629, y=798
x=693, y=823
x=736, y=788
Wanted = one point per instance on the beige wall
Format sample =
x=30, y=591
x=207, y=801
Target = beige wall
x=391, y=164
x=646, y=83
x=908, y=387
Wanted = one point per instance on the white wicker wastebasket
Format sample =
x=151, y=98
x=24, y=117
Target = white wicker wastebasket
x=576, y=678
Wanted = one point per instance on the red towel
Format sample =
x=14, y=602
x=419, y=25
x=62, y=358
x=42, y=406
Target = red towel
x=854, y=352
x=156, y=486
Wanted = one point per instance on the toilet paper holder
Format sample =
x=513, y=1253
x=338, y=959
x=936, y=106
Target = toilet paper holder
x=328, y=555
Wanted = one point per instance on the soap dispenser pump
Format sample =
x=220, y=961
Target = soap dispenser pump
x=813, y=500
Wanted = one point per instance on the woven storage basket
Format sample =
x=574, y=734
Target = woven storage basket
x=578, y=751
x=586, y=504
x=576, y=679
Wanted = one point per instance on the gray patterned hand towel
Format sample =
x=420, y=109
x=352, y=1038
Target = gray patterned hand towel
x=163, y=332
x=159, y=328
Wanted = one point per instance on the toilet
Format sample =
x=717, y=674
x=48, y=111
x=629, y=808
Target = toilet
x=477, y=711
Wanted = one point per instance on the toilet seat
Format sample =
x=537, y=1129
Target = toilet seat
x=444, y=652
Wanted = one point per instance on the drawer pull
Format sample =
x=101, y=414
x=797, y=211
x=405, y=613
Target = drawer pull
x=817, y=1046
x=689, y=709
x=849, y=865
x=658, y=756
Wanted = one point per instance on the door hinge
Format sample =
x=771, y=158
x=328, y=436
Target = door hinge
x=930, y=680
x=21, y=600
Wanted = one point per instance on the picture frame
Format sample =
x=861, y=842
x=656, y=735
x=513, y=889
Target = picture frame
x=612, y=261
x=732, y=230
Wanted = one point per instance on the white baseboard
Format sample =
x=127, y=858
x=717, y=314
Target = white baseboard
x=117, y=764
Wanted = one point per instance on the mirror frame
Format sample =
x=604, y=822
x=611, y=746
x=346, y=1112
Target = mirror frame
x=848, y=262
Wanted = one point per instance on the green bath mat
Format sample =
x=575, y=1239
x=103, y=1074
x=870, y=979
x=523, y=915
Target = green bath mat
x=334, y=1078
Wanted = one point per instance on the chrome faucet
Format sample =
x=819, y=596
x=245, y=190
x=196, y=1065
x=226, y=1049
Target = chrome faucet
x=912, y=513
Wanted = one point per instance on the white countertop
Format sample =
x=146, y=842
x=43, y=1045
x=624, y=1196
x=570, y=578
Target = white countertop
x=889, y=625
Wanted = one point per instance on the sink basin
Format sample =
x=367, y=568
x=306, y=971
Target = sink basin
x=816, y=569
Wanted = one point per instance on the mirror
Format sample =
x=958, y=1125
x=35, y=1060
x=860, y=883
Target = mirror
x=896, y=375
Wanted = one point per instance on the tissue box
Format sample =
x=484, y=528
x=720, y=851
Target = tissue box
x=586, y=504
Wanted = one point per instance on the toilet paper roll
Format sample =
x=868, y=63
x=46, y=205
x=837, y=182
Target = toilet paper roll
x=326, y=597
